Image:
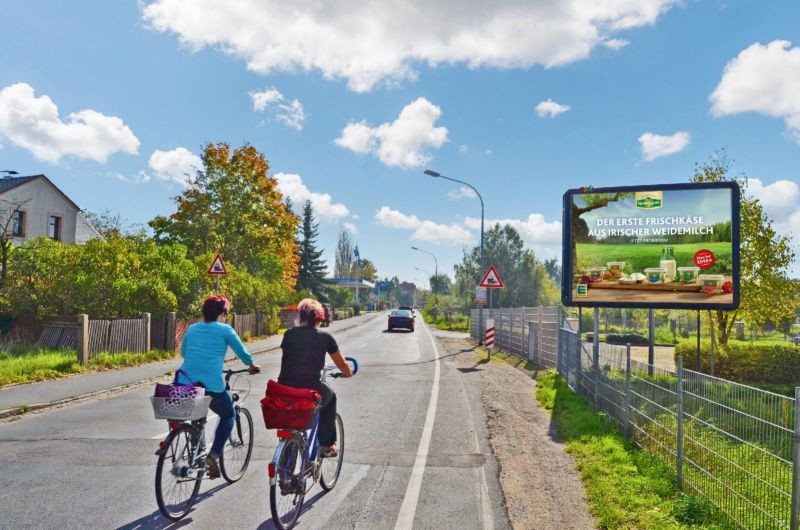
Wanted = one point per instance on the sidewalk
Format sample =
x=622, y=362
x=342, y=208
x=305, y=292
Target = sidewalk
x=54, y=391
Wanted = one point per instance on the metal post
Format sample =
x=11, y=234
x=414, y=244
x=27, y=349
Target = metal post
x=680, y=423
x=795, y=522
x=580, y=322
x=596, y=353
x=713, y=354
x=651, y=350
x=698, y=367
x=218, y=284
x=83, y=339
x=539, y=336
x=628, y=400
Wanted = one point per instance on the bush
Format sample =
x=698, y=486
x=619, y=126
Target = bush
x=756, y=363
x=356, y=309
x=634, y=339
x=339, y=314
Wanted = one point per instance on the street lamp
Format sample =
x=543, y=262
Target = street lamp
x=426, y=272
x=436, y=274
x=483, y=265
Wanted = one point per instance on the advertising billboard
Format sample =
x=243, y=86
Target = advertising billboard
x=670, y=246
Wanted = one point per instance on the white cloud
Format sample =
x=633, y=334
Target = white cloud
x=655, y=145
x=544, y=237
x=178, y=165
x=271, y=101
x=355, y=217
x=463, y=148
x=463, y=191
x=33, y=123
x=401, y=143
x=616, y=44
x=292, y=186
x=764, y=79
x=779, y=198
x=351, y=227
x=423, y=230
x=368, y=44
x=550, y=109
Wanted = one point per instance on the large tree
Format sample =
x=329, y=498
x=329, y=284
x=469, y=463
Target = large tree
x=10, y=217
x=525, y=278
x=590, y=201
x=767, y=293
x=313, y=269
x=234, y=207
x=345, y=249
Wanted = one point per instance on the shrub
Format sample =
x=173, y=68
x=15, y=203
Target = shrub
x=356, y=309
x=634, y=339
x=771, y=363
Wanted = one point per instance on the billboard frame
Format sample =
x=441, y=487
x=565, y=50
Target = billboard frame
x=566, y=249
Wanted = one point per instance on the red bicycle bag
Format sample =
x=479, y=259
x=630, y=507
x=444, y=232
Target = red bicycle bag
x=286, y=407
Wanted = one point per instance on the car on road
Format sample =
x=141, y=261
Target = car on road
x=401, y=318
x=407, y=308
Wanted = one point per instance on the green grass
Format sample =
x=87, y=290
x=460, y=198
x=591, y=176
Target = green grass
x=641, y=256
x=457, y=323
x=627, y=488
x=26, y=365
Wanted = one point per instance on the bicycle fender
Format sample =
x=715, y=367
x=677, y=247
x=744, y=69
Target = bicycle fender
x=275, y=458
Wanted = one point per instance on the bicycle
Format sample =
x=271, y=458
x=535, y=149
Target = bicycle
x=297, y=459
x=182, y=455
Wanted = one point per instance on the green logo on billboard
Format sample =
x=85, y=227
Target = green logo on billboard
x=648, y=200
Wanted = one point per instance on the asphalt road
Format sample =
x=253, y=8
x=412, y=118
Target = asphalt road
x=416, y=453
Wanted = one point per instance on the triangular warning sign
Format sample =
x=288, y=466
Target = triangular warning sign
x=491, y=279
x=218, y=266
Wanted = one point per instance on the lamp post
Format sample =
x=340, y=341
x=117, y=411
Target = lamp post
x=435, y=174
x=436, y=274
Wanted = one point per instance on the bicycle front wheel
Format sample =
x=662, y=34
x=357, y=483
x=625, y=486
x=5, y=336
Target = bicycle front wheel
x=332, y=466
x=237, y=451
x=286, y=496
x=177, y=481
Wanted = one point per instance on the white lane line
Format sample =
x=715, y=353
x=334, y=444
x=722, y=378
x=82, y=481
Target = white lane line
x=405, y=519
x=361, y=345
x=330, y=509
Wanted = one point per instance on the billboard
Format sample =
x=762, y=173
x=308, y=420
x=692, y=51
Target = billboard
x=669, y=246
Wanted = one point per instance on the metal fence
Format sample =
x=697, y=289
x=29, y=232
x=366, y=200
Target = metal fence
x=730, y=444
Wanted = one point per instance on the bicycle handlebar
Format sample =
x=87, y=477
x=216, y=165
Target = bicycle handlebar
x=229, y=372
x=355, y=367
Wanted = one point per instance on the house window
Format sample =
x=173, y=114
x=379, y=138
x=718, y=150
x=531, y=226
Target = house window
x=54, y=228
x=18, y=224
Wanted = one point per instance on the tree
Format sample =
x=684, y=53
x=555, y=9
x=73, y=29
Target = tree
x=9, y=219
x=440, y=284
x=234, y=207
x=767, y=293
x=591, y=201
x=367, y=270
x=526, y=280
x=313, y=269
x=553, y=269
x=343, y=261
x=110, y=224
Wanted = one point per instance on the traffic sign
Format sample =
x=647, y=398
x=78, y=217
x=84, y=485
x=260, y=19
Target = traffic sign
x=218, y=266
x=491, y=279
x=480, y=295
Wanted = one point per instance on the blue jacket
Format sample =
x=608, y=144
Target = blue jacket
x=204, y=347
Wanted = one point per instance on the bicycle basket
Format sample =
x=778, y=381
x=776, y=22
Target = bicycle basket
x=287, y=407
x=180, y=408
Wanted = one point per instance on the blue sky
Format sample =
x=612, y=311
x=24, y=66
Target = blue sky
x=350, y=102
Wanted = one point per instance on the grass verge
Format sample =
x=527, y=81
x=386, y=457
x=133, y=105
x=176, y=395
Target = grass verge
x=627, y=488
x=26, y=365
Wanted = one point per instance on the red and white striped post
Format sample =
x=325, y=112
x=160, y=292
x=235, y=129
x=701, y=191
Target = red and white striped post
x=489, y=339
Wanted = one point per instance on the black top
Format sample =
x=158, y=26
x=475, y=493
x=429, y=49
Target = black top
x=304, y=350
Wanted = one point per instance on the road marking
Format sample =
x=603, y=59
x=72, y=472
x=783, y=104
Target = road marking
x=361, y=345
x=343, y=493
x=405, y=519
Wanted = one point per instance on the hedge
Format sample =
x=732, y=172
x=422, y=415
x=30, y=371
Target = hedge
x=635, y=339
x=747, y=363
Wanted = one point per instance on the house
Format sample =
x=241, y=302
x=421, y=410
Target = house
x=33, y=206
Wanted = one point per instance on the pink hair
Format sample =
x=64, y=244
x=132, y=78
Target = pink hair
x=310, y=312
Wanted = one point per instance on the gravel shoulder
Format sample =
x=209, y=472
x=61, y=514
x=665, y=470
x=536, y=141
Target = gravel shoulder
x=540, y=484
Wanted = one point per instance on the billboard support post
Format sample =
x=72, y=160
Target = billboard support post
x=651, y=350
x=698, y=342
x=596, y=353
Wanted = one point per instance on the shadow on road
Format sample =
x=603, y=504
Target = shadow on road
x=156, y=521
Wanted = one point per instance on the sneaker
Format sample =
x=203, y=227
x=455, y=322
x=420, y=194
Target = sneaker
x=212, y=466
x=328, y=452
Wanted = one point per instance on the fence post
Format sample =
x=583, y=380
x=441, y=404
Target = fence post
x=531, y=338
x=628, y=429
x=169, y=340
x=83, y=339
x=795, y=522
x=539, y=335
x=680, y=423
x=146, y=318
x=596, y=353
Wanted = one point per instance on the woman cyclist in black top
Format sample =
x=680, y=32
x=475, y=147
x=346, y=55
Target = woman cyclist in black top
x=304, y=349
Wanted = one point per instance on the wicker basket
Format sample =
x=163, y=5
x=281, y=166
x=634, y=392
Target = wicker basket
x=170, y=408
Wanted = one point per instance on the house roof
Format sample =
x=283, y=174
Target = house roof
x=9, y=183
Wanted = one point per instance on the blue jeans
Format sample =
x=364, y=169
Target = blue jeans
x=222, y=405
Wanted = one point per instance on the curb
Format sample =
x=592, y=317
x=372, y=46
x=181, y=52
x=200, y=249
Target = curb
x=21, y=410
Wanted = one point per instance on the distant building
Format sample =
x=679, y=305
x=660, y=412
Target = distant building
x=33, y=206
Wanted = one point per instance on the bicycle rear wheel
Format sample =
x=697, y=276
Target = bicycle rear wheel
x=331, y=467
x=286, y=496
x=237, y=451
x=176, y=488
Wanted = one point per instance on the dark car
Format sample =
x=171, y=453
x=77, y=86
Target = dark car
x=407, y=308
x=401, y=318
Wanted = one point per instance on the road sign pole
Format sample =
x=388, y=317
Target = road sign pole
x=218, y=285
